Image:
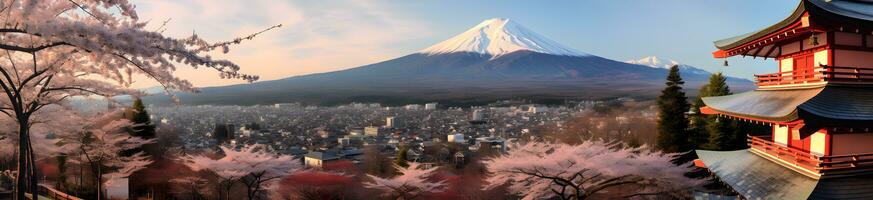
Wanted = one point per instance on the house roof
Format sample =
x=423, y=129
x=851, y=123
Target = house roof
x=322, y=155
x=755, y=177
x=832, y=103
x=843, y=10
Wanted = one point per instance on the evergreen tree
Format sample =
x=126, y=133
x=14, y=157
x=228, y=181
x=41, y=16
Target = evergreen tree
x=401, y=157
x=699, y=135
x=138, y=115
x=672, y=122
x=721, y=131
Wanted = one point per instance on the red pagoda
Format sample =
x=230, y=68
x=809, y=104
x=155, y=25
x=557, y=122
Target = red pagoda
x=819, y=103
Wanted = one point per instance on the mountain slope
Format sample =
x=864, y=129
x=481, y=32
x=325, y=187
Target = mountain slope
x=496, y=59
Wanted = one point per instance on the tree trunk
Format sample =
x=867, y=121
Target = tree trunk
x=21, y=182
x=34, y=172
x=99, y=178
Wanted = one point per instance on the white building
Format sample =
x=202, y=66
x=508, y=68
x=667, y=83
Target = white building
x=430, y=106
x=318, y=159
x=356, y=132
x=491, y=142
x=456, y=138
x=533, y=109
x=390, y=122
x=413, y=107
x=478, y=115
x=371, y=131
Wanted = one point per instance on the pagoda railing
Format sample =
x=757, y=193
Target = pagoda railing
x=837, y=164
x=796, y=157
x=818, y=74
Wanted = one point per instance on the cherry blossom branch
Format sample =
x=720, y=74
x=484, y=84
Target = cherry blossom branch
x=33, y=49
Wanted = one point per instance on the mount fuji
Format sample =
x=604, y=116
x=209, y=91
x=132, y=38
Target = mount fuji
x=496, y=59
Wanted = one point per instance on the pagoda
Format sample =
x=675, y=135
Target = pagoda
x=819, y=104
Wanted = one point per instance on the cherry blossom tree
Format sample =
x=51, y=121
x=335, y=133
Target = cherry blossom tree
x=545, y=170
x=412, y=182
x=100, y=146
x=53, y=50
x=251, y=165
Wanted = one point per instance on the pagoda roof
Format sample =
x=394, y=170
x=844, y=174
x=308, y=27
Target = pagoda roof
x=832, y=103
x=854, y=12
x=755, y=177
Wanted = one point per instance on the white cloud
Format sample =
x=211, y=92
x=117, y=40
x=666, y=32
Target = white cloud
x=316, y=36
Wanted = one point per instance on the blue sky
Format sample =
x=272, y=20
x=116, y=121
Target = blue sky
x=322, y=36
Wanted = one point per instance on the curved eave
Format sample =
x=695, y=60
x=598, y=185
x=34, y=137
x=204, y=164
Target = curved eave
x=772, y=106
x=733, y=42
x=840, y=105
x=854, y=15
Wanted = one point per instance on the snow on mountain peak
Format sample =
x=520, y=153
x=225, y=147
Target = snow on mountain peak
x=654, y=61
x=661, y=62
x=497, y=37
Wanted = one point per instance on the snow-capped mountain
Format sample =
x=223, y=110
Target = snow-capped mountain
x=499, y=36
x=496, y=59
x=666, y=63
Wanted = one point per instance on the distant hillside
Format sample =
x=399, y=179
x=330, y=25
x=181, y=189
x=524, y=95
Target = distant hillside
x=497, y=59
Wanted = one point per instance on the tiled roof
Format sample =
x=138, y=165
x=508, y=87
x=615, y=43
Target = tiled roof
x=773, y=105
x=754, y=177
x=322, y=155
x=831, y=103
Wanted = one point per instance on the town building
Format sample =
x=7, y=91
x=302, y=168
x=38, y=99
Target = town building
x=390, y=122
x=318, y=160
x=371, y=131
x=456, y=138
x=430, y=106
x=819, y=104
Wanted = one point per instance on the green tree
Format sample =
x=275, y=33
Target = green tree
x=722, y=132
x=139, y=116
x=401, y=157
x=699, y=135
x=672, y=122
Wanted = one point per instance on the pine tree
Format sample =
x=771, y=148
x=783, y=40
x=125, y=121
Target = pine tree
x=721, y=131
x=401, y=157
x=699, y=135
x=138, y=115
x=672, y=122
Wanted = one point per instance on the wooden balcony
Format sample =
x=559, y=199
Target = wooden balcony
x=809, y=164
x=820, y=74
